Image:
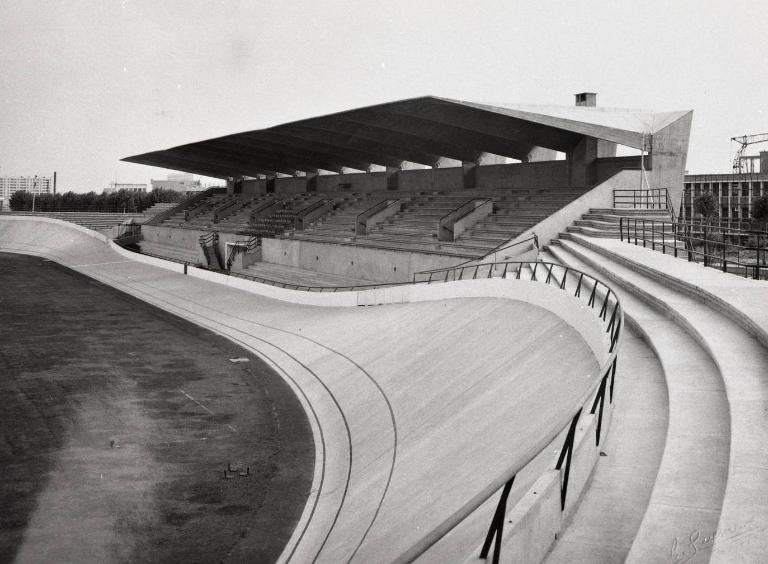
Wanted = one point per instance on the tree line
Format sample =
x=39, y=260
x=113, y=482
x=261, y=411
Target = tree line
x=121, y=201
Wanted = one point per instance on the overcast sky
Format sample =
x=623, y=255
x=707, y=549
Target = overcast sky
x=85, y=83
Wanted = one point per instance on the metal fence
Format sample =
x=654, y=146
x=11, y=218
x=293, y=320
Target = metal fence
x=736, y=251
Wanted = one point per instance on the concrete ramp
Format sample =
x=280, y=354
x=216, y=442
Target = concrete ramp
x=422, y=404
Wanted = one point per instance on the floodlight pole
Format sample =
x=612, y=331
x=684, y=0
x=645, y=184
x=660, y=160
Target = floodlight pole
x=642, y=163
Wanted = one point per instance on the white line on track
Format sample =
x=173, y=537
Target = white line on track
x=102, y=263
x=190, y=398
x=197, y=402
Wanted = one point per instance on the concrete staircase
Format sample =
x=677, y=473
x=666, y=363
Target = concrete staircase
x=604, y=222
x=709, y=334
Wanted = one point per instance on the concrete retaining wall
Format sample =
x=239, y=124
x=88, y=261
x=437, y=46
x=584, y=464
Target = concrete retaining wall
x=534, y=175
x=365, y=263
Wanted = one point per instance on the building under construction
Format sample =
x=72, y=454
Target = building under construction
x=734, y=192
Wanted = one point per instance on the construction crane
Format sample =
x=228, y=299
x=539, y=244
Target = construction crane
x=745, y=141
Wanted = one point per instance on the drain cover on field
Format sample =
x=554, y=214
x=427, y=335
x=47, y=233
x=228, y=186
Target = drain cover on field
x=239, y=360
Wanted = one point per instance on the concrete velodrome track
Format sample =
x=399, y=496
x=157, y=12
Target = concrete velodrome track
x=419, y=409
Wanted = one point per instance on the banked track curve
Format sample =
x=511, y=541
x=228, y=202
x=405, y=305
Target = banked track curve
x=273, y=340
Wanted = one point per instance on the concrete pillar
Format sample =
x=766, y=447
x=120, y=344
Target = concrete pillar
x=581, y=162
x=605, y=149
x=538, y=154
x=235, y=185
x=669, y=151
x=469, y=168
x=312, y=181
x=393, y=177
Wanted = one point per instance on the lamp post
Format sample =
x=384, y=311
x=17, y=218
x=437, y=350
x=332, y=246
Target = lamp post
x=34, y=187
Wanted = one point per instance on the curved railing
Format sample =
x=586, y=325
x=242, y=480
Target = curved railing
x=598, y=297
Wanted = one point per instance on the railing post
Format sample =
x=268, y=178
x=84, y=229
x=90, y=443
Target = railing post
x=497, y=525
x=706, y=246
x=565, y=454
x=621, y=224
x=725, y=268
x=600, y=396
x=674, y=233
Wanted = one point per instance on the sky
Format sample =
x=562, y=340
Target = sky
x=86, y=83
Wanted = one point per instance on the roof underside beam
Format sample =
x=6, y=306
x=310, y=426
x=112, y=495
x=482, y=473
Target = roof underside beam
x=395, y=131
x=341, y=148
x=353, y=135
x=468, y=138
x=256, y=142
x=262, y=162
x=494, y=124
x=232, y=166
x=196, y=168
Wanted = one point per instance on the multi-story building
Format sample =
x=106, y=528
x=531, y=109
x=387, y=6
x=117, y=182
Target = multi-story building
x=734, y=193
x=128, y=187
x=33, y=184
x=179, y=182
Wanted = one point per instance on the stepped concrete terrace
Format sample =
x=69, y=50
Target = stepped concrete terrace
x=414, y=228
x=98, y=221
x=708, y=331
x=407, y=421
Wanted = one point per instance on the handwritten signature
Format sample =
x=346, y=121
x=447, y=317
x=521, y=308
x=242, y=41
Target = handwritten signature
x=686, y=547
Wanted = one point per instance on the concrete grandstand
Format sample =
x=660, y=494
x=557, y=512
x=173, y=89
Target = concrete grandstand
x=498, y=361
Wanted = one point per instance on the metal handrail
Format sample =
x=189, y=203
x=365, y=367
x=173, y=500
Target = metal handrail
x=716, y=250
x=208, y=238
x=651, y=198
x=671, y=207
x=239, y=247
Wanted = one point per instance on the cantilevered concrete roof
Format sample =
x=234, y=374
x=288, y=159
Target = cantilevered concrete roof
x=420, y=130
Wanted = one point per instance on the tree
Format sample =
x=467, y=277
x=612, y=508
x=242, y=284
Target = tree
x=706, y=206
x=21, y=201
x=760, y=211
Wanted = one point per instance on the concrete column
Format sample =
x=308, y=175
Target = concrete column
x=538, y=154
x=605, y=149
x=669, y=151
x=312, y=181
x=470, y=174
x=393, y=177
x=581, y=162
x=235, y=185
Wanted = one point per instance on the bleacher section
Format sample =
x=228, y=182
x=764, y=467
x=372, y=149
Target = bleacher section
x=391, y=221
x=102, y=221
x=98, y=221
x=415, y=227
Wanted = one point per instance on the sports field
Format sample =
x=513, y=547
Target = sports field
x=117, y=425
